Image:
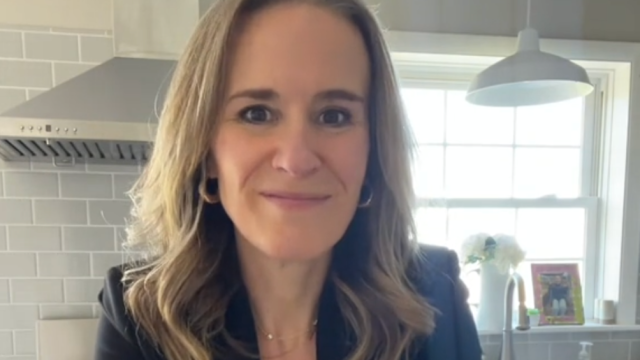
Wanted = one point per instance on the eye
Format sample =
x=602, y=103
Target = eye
x=256, y=114
x=335, y=117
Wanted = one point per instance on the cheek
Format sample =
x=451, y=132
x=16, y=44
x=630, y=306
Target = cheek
x=349, y=161
x=233, y=162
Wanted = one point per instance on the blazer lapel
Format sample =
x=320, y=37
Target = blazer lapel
x=334, y=340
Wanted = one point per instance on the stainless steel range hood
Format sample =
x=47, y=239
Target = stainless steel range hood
x=108, y=114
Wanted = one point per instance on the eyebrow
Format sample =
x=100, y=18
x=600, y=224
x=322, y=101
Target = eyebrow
x=270, y=95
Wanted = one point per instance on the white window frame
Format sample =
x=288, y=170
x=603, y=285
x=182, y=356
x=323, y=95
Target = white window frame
x=613, y=199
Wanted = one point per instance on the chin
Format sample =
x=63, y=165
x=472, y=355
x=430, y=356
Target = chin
x=294, y=250
x=292, y=245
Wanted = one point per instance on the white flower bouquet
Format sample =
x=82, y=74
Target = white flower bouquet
x=501, y=250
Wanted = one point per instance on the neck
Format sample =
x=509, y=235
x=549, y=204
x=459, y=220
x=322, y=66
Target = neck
x=284, y=295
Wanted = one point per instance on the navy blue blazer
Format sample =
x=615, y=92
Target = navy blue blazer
x=455, y=336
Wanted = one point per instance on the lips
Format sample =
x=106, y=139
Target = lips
x=295, y=199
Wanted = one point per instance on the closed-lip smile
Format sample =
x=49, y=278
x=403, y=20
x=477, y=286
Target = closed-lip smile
x=289, y=199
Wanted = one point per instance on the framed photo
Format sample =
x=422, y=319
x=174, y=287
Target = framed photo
x=558, y=293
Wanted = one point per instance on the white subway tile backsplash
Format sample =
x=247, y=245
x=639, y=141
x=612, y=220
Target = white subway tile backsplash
x=591, y=336
x=122, y=183
x=31, y=184
x=113, y=169
x=82, y=290
x=3, y=238
x=101, y=262
x=60, y=212
x=18, y=317
x=25, y=342
x=10, y=44
x=65, y=311
x=16, y=211
x=20, y=357
x=17, y=265
x=49, y=166
x=66, y=71
x=31, y=93
x=97, y=311
x=634, y=350
x=43, y=46
x=121, y=237
x=45, y=238
x=109, y=212
x=95, y=49
x=6, y=343
x=86, y=186
x=532, y=350
x=4, y=291
x=14, y=165
x=10, y=98
x=64, y=264
x=34, y=291
x=28, y=74
x=88, y=238
x=34, y=238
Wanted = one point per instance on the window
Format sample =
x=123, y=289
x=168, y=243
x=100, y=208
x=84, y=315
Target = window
x=522, y=171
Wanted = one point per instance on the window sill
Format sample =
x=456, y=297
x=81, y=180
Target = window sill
x=588, y=327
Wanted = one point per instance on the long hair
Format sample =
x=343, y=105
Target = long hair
x=178, y=297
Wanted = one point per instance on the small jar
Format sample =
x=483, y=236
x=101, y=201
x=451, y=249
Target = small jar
x=534, y=317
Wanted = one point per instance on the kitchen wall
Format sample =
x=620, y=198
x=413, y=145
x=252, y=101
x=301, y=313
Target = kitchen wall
x=60, y=228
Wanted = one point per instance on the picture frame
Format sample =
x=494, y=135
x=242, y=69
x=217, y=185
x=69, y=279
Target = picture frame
x=557, y=292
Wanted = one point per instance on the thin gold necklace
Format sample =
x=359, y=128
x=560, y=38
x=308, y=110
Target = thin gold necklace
x=271, y=337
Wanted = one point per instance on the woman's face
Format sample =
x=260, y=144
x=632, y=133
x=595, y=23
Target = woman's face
x=291, y=147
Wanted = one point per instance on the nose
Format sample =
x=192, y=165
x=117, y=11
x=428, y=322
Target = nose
x=297, y=153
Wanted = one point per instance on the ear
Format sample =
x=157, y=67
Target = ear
x=211, y=168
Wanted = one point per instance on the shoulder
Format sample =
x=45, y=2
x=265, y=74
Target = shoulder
x=436, y=276
x=111, y=299
x=434, y=265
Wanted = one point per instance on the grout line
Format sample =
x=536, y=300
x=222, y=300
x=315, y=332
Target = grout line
x=113, y=186
x=38, y=265
x=53, y=74
x=10, y=287
x=59, y=180
x=79, y=48
x=9, y=87
x=548, y=351
x=33, y=210
x=62, y=232
x=14, y=342
x=24, y=45
x=66, y=62
x=57, y=31
x=64, y=198
x=4, y=185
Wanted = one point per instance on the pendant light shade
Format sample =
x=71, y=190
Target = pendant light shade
x=529, y=77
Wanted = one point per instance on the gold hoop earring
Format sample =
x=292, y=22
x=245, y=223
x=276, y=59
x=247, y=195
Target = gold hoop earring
x=206, y=195
x=368, y=198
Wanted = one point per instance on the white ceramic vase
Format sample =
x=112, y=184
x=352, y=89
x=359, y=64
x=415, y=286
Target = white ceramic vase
x=490, y=316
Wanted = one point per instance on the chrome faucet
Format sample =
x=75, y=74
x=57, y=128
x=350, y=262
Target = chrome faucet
x=507, y=352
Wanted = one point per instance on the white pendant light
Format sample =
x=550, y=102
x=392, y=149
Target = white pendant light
x=529, y=77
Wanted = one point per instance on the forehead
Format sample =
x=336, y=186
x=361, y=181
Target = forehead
x=299, y=47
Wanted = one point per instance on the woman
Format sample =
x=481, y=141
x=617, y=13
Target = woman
x=277, y=204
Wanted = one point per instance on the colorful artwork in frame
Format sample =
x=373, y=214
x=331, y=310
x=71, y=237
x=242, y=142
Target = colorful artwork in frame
x=558, y=293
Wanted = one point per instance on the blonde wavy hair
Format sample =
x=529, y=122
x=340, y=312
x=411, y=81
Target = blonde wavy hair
x=179, y=295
